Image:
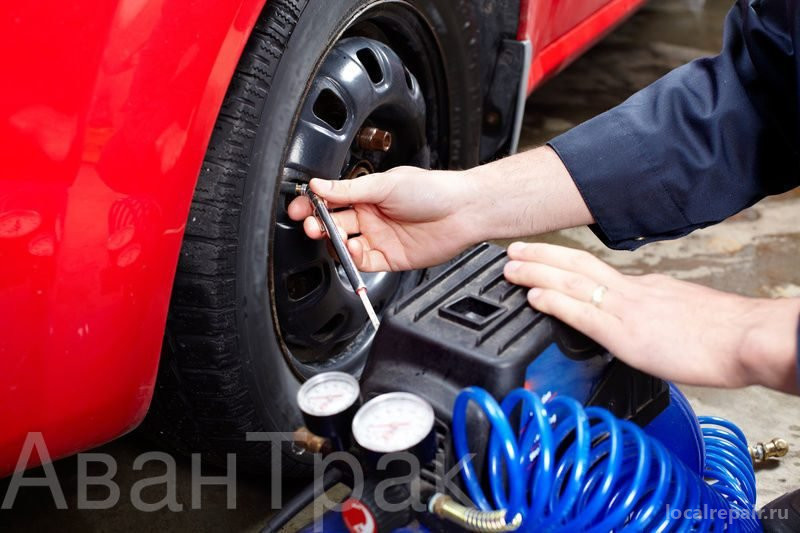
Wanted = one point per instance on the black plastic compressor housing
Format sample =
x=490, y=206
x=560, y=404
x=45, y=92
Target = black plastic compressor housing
x=469, y=326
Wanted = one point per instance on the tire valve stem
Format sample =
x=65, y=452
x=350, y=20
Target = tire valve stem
x=349, y=266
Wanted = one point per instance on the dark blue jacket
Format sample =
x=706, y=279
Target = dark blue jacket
x=702, y=143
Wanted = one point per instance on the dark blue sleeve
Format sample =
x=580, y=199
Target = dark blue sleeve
x=798, y=355
x=704, y=142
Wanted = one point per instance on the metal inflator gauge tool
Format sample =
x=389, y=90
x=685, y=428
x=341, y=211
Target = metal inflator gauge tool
x=346, y=260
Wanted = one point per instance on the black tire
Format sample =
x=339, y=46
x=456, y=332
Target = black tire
x=224, y=370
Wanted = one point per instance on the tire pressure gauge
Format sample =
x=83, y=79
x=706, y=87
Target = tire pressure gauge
x=328, y=402
x=396, y=422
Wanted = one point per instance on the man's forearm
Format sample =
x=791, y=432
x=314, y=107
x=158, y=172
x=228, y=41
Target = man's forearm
x=525, y=194
x=768, y=351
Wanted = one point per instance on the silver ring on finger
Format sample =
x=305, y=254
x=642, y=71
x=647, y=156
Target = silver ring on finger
x=598, y=294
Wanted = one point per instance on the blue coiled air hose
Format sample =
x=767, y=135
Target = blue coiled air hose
x=570, y=468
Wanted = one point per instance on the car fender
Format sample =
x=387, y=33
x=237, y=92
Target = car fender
x=105, y=116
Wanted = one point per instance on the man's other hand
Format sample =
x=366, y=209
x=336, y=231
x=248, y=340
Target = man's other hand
x=672, y=329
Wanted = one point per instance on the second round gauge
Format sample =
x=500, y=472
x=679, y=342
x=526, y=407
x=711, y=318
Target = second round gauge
x=394, y=422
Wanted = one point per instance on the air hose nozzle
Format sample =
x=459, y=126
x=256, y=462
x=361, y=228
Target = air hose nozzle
x=470, y=518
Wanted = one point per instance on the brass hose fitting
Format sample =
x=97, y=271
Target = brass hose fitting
x=764, y=451
x=469, y=518
x=310, y=442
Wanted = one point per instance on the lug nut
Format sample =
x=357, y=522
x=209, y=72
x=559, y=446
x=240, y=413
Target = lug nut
x=361, y=169
x=374, y=139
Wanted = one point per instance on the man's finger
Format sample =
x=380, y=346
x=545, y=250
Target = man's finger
x=346, y=222
x=601, y=326
x=566, y=259
x=370, y=189
x=574, y=285
x=314, y=229
x=356, y=250
x=301, y=207
x=366, y=258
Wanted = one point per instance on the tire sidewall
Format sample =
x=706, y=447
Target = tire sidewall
x=272, y=382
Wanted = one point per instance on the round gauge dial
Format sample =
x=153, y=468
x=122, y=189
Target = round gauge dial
x=328, y=394
x=393, y=422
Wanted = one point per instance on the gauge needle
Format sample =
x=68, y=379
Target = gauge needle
x=325, y=398
x=391, y=427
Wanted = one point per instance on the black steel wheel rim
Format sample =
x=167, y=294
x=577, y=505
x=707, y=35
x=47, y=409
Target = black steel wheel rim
x=362, y=82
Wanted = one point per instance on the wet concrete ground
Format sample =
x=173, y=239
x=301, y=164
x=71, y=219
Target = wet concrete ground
x=755, y=253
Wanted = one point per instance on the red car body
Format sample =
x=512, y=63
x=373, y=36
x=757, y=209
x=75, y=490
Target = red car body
x=106, y=111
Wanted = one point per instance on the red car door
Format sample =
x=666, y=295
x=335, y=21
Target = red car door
x=560, y=30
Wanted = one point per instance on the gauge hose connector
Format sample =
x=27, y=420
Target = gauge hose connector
x=470, y=518
x=762, y=452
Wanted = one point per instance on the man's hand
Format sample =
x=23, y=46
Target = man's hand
x=669, y=328
x=404, y=219
x=410, y=218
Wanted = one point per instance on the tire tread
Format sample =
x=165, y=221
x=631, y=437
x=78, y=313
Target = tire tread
x=202, y=403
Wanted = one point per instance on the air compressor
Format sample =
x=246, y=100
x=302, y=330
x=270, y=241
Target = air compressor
x=544, y=429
